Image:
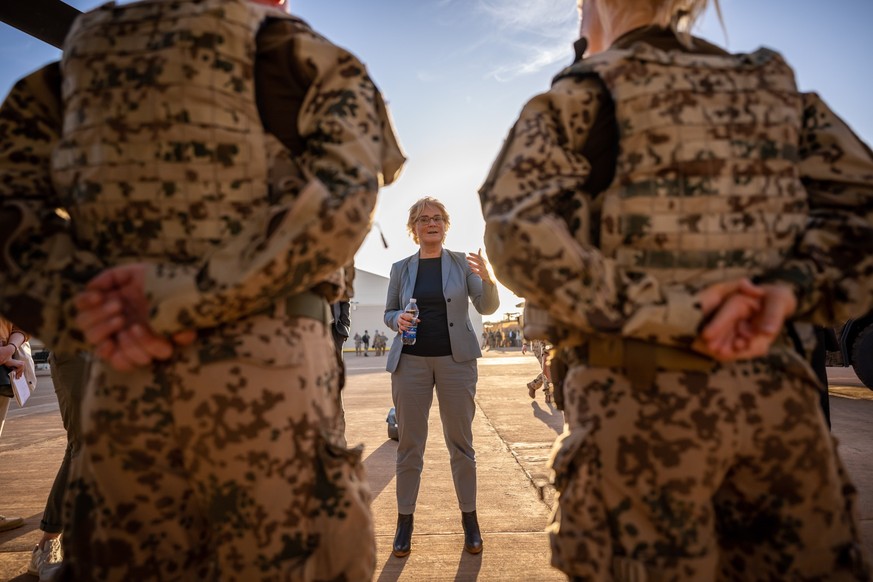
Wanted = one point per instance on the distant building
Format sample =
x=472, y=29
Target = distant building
x=368, y=307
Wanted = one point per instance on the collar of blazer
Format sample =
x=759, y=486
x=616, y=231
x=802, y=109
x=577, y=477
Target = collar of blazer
x=447, y=259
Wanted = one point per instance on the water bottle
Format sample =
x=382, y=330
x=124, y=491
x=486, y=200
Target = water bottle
x=409, y=335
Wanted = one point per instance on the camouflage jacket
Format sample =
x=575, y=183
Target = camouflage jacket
x=544, y=226
x=317, y=213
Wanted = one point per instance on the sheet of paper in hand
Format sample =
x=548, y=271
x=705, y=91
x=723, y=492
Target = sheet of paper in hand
x=20, y=388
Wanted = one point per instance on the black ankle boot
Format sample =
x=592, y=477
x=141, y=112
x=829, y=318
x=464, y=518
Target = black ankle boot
x=403, y=535
x=472, y=536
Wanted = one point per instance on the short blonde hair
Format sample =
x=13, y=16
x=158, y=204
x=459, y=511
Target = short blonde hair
x=417, y=209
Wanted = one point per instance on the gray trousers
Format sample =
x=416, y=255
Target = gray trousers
x=412, y=387
x=69, y=376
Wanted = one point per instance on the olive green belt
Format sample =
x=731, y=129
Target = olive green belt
x=640, y=361
x=308, y=304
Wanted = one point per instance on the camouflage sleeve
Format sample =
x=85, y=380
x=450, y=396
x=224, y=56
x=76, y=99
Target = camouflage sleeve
x=831, y=266
x=528, y=228
x=350, y=150
x=41, y=266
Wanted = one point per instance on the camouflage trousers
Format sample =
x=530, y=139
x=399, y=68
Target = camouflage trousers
x=725, y=476
x=542, y=380
x=226, y=463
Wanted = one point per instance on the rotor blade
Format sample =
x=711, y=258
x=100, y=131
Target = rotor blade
x=47, y=20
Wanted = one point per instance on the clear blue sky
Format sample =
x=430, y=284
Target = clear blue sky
x=457, y=72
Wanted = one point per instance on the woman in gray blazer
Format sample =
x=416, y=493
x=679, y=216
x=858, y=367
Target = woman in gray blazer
x=444, y=355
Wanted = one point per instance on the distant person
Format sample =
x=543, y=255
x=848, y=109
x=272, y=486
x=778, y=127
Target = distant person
x=380, y=342
x=443, y=356
x=341, y=309
x=358, y=343
x=69, y=376
x=365, y=339
x=12, y=341
x=341, y=323
x=14, y=354
x=672, y=206
x=540, y=350
x=825, y=340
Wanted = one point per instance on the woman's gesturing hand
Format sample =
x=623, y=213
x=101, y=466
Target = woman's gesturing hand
x=479, y=266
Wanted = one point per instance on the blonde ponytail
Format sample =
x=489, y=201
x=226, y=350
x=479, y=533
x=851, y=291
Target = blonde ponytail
x=681, y=16
x=678, y=15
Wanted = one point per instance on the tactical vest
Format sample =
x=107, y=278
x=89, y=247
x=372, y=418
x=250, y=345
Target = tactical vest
x=706, y=185
x=163, y=152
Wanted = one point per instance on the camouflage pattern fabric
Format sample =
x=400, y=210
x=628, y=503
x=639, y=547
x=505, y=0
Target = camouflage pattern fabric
x=540, y=350
x=145, y=145
x=41, y=264
x=224, y=232
x=729, y=476
x=222, y=465
x=545, y=231
x=729, y=202
x=677, y=481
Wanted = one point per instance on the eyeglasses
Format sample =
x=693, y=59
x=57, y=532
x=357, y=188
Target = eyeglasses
x=425, y=220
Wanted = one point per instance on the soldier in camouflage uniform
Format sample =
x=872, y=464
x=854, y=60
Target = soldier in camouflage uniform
x=214, y=161
x=540, y=350
x=628, y=204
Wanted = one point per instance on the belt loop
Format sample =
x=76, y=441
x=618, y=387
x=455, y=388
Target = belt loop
x=279, y=309
x=606, y=352
x=640, y=364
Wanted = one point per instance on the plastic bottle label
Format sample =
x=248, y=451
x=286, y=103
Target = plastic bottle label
x=408, y=336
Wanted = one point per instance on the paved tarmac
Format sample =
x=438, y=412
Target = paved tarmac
x=512, y=435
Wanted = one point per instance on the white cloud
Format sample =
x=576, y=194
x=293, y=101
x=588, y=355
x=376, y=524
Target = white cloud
x=546, y=18
x=537, y=59
x=537, y=34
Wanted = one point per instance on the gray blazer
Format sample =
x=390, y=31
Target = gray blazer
x=459, y=283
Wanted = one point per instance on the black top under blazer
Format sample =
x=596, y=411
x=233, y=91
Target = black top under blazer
x=459, y=284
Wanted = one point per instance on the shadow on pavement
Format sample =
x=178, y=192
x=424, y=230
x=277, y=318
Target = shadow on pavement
x=31, y=524
x=551, y=416
x=468, y=567
x=379, y=466
x=392, y=569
